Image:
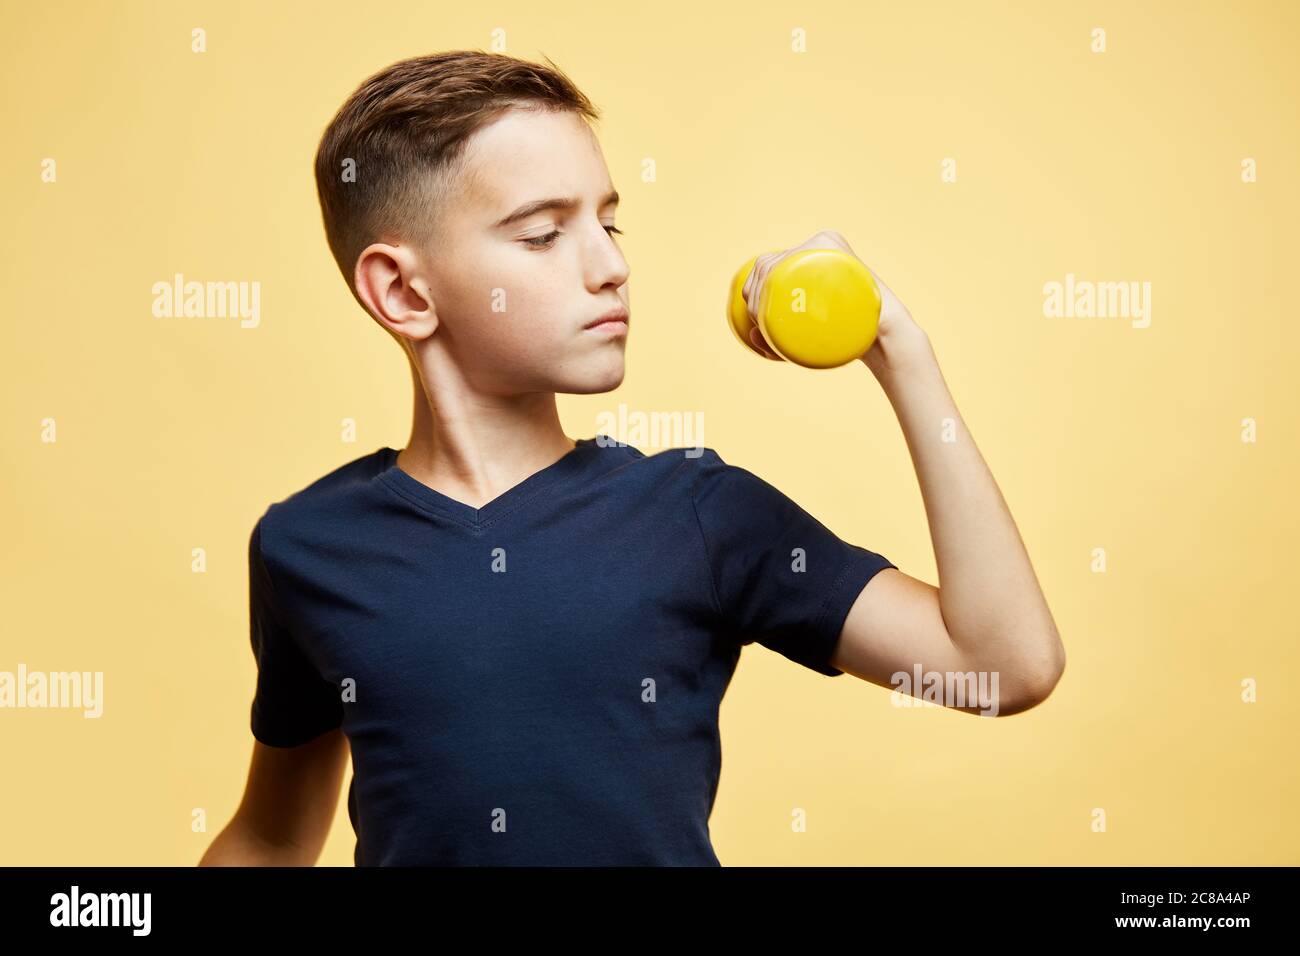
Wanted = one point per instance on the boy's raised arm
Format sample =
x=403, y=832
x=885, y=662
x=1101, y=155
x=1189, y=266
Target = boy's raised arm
x=988, y=613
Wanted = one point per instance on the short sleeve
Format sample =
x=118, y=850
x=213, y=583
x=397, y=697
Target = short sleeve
x=293, y=703
x=781, y=578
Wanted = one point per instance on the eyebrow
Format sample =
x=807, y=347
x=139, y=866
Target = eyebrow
x=541, y=205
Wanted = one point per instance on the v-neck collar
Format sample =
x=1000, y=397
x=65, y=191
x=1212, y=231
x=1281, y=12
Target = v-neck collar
x=420, y=494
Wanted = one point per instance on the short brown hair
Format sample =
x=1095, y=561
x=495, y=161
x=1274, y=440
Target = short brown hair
x=405, y=129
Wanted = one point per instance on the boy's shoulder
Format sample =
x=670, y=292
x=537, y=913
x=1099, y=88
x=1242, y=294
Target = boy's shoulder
x=686, y=461
x=701, y=476
x=663, y=456
x=332, y=489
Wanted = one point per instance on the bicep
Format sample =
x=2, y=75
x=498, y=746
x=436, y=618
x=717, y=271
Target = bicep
x=894, y=625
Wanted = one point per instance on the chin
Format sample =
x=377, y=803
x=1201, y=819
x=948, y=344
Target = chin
x=599, y=377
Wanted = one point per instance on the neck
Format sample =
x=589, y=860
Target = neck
x=473, y=446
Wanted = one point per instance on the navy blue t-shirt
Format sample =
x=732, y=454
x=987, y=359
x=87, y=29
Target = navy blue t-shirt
x=537, y=681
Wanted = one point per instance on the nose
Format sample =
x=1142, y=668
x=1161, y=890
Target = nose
x=605, y=263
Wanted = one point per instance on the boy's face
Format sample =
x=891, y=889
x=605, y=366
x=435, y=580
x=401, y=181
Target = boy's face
x=513, y=297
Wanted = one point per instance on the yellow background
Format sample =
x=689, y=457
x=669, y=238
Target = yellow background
x=1119, y=166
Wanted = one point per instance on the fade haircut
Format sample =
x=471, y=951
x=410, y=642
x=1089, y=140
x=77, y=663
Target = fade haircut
x=394, y=153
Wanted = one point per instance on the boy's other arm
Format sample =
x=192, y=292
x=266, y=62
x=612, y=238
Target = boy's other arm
x=288, y=805
x=988, y=613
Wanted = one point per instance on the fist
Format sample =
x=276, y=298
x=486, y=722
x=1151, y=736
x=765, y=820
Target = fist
x=896, y=330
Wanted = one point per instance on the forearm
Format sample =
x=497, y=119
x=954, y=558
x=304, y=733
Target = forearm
x=989, y=596
x=239, y=845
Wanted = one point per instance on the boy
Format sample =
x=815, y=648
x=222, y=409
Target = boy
x=524, y=639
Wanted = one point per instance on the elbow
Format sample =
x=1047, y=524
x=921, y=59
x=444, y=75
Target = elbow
x=1038, y=678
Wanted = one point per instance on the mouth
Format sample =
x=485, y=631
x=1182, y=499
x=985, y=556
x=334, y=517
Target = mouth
x=615, y=321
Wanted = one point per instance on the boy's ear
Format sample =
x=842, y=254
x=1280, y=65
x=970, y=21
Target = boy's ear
x=391, y=290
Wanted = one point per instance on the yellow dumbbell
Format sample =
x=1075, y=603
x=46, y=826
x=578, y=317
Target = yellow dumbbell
x=820, y=308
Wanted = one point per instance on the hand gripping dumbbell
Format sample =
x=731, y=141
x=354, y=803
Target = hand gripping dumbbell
x=819, y=308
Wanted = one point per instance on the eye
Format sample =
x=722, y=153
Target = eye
x=543, y=242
